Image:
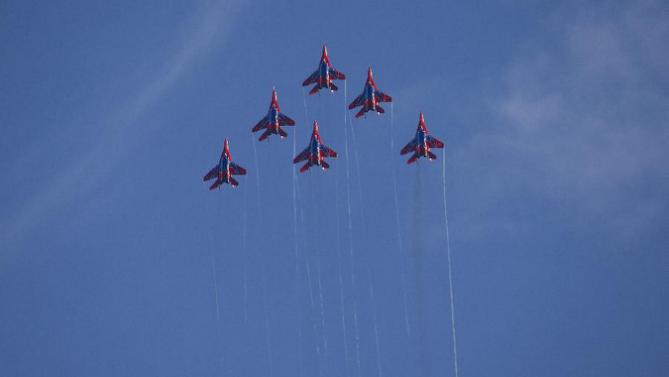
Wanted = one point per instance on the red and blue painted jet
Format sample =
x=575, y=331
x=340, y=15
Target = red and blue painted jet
x=324, y=76
x=225, y=169
x=370, y=98
x=315, y=153
x=273, y=121
x=421, y=144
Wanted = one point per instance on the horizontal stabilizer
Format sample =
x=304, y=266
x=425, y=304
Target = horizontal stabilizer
x=327, y=151
x=285, y=120
x=314, y=90
x=383, y=97
x=433, y=142
x=265, y=135
x=216, y=184
x=338, y=75
x=236, y=169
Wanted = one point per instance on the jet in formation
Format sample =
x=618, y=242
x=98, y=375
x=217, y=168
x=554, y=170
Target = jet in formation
x=370, y=98
x=422, y=143
x=225, y=169
x=315, y=153
x=273, y=121
x=324, y=76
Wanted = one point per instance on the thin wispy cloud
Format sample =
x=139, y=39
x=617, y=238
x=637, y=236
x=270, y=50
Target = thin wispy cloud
x=120, y=128
x=587, y=120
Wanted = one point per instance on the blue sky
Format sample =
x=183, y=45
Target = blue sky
x=554, y=117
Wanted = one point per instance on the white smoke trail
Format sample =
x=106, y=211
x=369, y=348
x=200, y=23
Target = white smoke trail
x=300, y=362
x=296, y=250
x=312, y=304
x=218, y=311
x=319, y=351
x=306, y=113
x=263, y=268
x=341, y=302
x=297, y=266
x=357, y=169
x=321, y=304
x=213, y=271
x=255, y=160
x=407, y=326
x=244, y=230
x=350, y=238
x=307, y=270
x=450, y=274
x=316, y=195
x=379, y=369
x=268, y=335
x=245, y=251
x=339, y=263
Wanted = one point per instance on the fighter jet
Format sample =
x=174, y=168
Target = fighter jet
x=370, y=98
x=315, y=153
x=273, y=121
x=422, y=143
x=225, y=169
x=324, y=75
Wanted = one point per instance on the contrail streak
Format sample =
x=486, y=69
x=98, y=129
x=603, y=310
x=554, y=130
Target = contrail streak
x=245, y=252
x=417, y=250
x=312, y=304
x=350, y=238
x=213, y=271
x=357, y=169
x=317, y=194
x=322, y=305
x=263, y=268
x=339, y=265
x=268, y=335
x=407, y=327
x=297, y=257
x=306, y=113
x=297, y=268
x=218, y=312
x=450, y=273
x=309, y=280
x=379, y=369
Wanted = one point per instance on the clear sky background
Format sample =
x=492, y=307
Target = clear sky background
x=116, y=260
